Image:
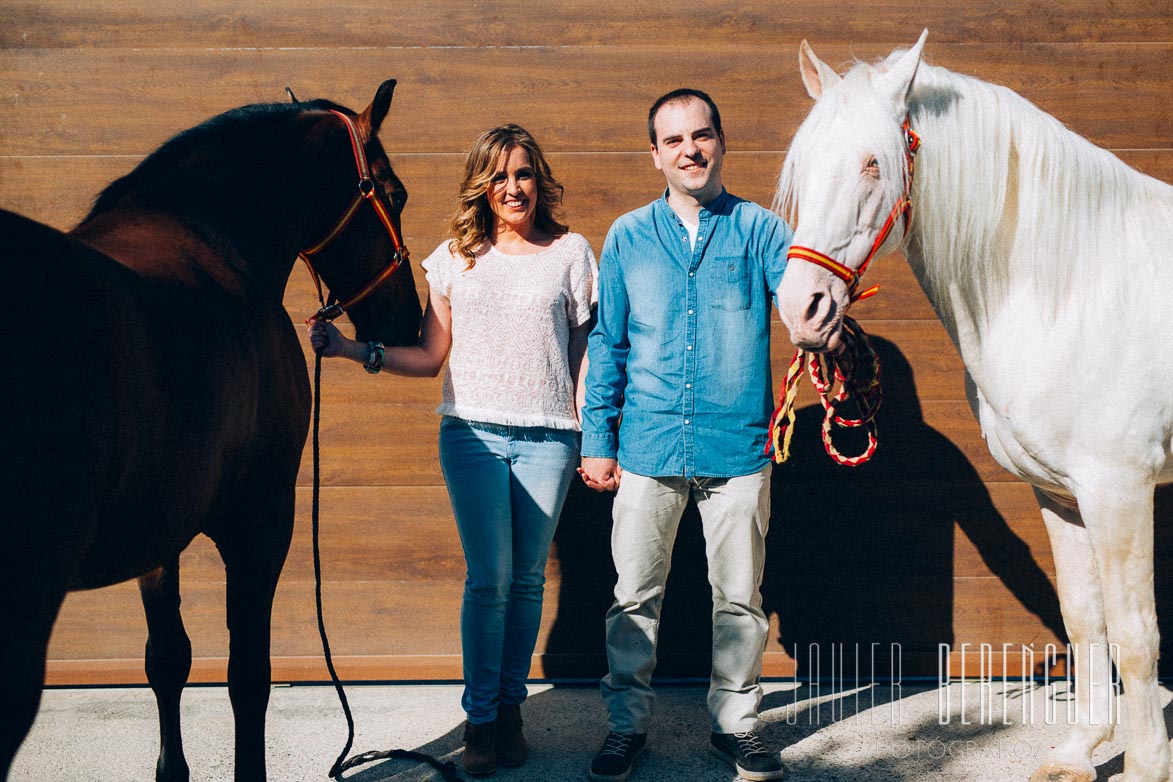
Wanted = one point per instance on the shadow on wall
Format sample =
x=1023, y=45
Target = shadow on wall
x=854, y=556
x=582, y=544
x=1163, y=575
x=864, y=555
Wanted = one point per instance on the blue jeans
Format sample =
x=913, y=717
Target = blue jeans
x=507, y=485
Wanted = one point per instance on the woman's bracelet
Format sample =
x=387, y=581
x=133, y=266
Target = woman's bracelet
x=375, y=358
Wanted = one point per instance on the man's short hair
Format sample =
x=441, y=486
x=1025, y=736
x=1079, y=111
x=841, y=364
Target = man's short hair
x=682, y=95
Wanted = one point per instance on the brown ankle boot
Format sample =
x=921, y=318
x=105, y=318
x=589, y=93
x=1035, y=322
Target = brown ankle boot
x=480, y=748
x=512, y=750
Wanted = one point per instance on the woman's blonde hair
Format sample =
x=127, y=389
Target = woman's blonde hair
x=475, y=223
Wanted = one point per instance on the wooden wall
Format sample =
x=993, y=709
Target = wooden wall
x=931, y=543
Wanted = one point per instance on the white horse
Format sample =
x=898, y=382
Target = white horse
x=1050, y=263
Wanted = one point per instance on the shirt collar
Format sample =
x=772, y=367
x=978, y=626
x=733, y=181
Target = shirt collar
x=714, y=206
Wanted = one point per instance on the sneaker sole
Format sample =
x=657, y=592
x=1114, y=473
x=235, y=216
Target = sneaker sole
x=600, y=778
x=615, y=777
x=753, y=776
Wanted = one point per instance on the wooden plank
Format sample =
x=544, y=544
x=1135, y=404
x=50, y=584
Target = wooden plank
x=363, y=617
x=370, y=23
x=214, y=670
x=61, y=101
x=986, y=612
x=379, y=444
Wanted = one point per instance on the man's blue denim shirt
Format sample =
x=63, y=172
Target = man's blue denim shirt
x=679, y=379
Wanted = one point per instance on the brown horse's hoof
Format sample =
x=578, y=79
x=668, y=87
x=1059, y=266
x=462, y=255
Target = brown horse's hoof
x=1056, y=771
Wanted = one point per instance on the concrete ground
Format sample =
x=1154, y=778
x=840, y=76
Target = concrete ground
x=916, y=732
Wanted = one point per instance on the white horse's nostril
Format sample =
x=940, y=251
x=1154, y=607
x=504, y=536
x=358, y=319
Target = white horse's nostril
x=815, y=307
x=820, y=311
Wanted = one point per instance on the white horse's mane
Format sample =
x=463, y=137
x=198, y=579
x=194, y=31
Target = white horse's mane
x=1003, y=194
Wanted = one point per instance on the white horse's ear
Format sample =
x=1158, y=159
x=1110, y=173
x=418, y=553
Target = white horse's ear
x=896, y=81
x=816, y=74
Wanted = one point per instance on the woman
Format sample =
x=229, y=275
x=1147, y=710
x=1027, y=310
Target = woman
x=511, y=294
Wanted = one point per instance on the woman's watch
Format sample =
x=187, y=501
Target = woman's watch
x=375, y=358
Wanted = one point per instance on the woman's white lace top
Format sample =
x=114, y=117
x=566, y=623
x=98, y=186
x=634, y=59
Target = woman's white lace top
x=511, y=321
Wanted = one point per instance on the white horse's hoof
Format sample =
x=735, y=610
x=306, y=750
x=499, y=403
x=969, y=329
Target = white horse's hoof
x=1056, y=771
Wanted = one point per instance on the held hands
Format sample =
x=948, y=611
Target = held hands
x=600, y=474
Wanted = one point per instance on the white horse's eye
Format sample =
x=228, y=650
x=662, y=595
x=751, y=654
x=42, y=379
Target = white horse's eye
x=872, y=167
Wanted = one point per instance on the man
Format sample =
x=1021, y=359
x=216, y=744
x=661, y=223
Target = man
x=678, y=400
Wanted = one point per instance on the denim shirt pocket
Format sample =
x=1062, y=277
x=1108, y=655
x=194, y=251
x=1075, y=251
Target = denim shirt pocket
x=730, y=282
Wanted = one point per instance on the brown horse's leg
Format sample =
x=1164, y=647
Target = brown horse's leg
x=168, y=663
x=27, y=610
x=253, y=550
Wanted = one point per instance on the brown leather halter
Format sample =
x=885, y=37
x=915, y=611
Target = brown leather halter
x=369, y=193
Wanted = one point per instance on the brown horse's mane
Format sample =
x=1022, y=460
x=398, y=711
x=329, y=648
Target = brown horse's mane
x=230, y=138
x=207, y=177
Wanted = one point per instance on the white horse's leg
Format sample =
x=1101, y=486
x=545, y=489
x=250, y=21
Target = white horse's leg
x=1119, y=519
x=1082, y=603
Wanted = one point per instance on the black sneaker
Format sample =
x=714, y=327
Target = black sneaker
x=746, y=753
x=613, y=763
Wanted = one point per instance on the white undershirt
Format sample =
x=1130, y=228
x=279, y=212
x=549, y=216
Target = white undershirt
x=692, y=229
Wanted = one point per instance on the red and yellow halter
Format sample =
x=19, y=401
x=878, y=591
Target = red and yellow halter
x=369, y=193
x=900, y=210
x=857, y=368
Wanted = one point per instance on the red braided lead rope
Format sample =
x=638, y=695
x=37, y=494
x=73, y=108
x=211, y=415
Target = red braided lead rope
x=857, y=367
x=856, y=370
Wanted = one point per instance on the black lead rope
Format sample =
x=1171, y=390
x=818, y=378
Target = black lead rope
x=447, y=769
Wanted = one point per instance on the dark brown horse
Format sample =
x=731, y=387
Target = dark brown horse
x=152, y=387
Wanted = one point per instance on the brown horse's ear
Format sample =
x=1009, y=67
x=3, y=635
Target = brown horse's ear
x=292, y=97
x=380, y=105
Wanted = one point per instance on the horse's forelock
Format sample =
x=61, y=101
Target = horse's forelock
x=848, y=120
x=154, y=174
